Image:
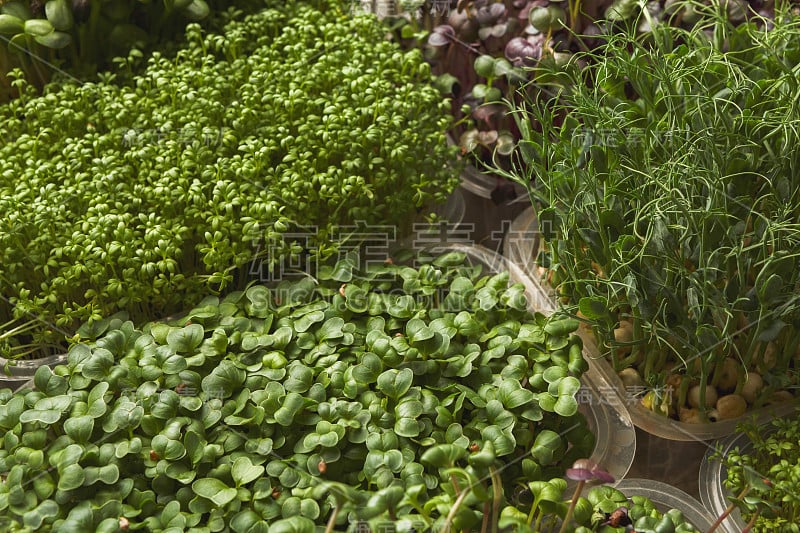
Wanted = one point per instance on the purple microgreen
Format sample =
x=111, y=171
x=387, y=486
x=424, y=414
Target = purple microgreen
x=442, y=35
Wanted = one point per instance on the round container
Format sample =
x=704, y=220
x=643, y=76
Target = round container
x=26, y=385
x=454, y=209
x=487, y=213
x=449, y=217
x=521, y=246
x=666, y=497
x=671, y=461
x=615, y=447
x=608, y=420
x=713, y=473
x=15, y=373
x=667, y=428
x=483, y=185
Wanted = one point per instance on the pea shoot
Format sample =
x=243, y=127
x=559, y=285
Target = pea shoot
x=666, y=188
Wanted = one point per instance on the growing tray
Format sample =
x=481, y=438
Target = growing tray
x=522, y=251
x=713, y=473
x=14, y=374
x=521, y=246
x=615, y=435
x=666, y=497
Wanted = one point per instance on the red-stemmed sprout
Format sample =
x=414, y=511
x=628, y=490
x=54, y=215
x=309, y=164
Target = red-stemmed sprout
x=583, y=470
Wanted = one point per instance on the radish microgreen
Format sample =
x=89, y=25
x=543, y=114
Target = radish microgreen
x=247, y=413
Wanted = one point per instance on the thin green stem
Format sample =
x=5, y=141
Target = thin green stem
x=497, y=497
x=454, y=509
x=751, y=522
x=571, y=508
x=454, y=481
x=332, y=520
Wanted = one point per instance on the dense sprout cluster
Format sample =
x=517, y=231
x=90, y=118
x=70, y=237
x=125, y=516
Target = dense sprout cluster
x=414, y=396
x=143, y=195
x=487, y=52
x=82, y=36
x=669, y=196
x=764, y=477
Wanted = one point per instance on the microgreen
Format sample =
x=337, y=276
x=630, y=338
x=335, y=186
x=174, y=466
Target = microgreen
x=248, y=413
x=603, y=509
x=482, y=52
x=81, y=36
x=151, y=192
x=762, y=478
x=665, y=187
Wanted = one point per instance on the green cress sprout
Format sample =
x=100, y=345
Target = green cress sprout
x=763, y=478
x=143, y=192
x=83, y=36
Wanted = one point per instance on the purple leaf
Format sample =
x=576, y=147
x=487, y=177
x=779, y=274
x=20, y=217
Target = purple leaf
x=488, y=112
x=586, y=470
x=497, y=10
x=522, y=52
x=484, y=16
x=441, y=35
x=579, y=474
